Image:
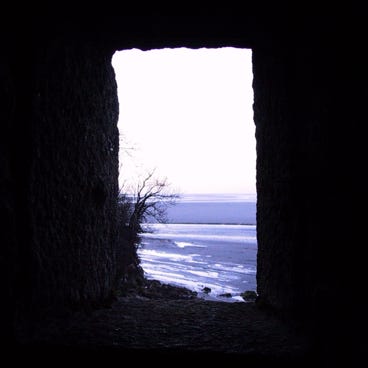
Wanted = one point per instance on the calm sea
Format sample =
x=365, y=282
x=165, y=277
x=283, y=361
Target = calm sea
x=209, y=242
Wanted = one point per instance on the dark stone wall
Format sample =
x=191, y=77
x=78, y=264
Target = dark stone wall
x=74, y=170
x=59, y=180
x=294, y=120
x=308, y=108
x=279, y=163
x=8, y=204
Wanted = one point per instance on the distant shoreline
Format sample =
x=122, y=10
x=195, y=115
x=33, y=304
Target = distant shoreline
x=217, y=197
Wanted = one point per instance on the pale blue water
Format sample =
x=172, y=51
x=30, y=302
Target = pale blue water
x=211, y=243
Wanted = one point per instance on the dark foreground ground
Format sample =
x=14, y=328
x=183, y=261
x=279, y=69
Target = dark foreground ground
x=172, y=326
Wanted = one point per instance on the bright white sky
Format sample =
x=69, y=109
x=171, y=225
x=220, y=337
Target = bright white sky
x=188, y=113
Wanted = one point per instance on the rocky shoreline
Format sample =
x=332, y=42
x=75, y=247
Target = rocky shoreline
x=154, y=289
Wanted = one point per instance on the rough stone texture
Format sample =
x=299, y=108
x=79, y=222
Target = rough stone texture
x=74, y=175
x=293, y=171
x=147, y=329
x=307, y=107
x=59, y=175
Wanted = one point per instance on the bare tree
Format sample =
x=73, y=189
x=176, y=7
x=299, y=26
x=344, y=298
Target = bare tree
x=140, y=201
x=148, y=201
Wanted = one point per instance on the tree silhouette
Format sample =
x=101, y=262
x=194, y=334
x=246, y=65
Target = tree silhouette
x=147, y=202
